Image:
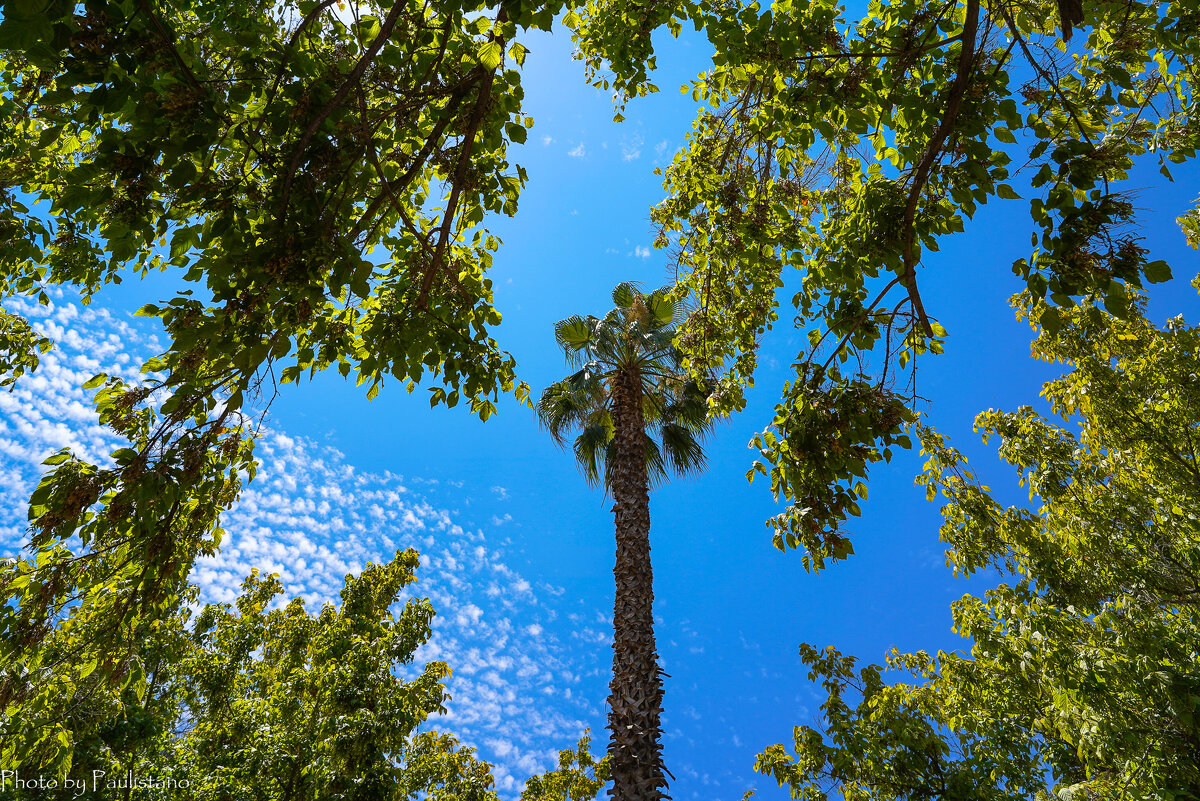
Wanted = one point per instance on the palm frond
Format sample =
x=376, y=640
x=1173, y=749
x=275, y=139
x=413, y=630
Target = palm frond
x=592, y=451
x=626, y=293
x=656, y=468
x=665, y=311
x=653, y=405
x=574, y=332
x=682, y=449
x=688, y=406
x=567, y=404
x=610, y=338
x=657, y=348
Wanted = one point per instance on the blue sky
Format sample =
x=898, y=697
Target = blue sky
x=518, y=550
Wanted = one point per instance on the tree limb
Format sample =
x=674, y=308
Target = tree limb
x=920, y=176
x=385, y=31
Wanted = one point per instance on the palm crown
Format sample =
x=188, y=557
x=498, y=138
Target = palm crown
x=634, y=340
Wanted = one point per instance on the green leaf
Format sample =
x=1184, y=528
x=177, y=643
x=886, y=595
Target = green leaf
x=1005, y=135
x=491, y=55
x=516, y=133
x=368, y=29
x=1051, y=320
x=124, y=455
x=574, y=332
x=1157, y=271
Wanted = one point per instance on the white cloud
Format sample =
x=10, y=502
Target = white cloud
x=547, y=141
x=641, y=252
x=577, y=152
x=631, y=147
x=312, y=518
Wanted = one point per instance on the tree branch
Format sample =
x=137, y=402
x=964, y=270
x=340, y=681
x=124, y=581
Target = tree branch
x=385, y=31
x=169, y=40
x=459, y=177
x=920, y=177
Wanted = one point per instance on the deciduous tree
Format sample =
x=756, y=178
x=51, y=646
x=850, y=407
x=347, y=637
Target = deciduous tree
x=258, y=699
x=833, y=153
x=578, y=777
x=314, y=178
x=1083, y=679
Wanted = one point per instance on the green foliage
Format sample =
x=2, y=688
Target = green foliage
x=1083, y=678
x=636, y=339
x=320, y=711
x=890, y=742
x=578, y=777
x=1190, y=224
x=832, y=154
x=261, y=150
x=817, y=452
x=265, y=700
x=258, y=153
x=108, y=558
x=19, y=348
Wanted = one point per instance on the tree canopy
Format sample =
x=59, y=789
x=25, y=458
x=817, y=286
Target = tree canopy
x=1082, y=679
x=260, y=154
x=256, y=699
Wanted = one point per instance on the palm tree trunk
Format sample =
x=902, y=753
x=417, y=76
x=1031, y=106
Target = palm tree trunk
x=635, y=700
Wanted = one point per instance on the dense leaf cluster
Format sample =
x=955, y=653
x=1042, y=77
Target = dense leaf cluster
x=830, y=154
x=253, y=700
x=1083, y=679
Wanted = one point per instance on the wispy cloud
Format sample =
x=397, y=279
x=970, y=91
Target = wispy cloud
x=577, y=152
x=631, y=147
x=641, y=252
x=312, y=517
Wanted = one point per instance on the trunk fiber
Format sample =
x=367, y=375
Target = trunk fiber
x=635, y=700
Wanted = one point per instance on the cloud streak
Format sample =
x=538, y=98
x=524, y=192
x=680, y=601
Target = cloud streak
x=312, y=518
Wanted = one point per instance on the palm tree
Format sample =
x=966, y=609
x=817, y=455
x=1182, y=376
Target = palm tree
x=639, y=415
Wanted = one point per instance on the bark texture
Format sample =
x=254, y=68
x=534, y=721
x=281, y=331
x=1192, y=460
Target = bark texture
x=635, y=699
